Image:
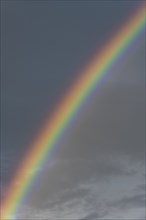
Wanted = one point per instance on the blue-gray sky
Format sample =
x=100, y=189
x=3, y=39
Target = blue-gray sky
x=98, y=170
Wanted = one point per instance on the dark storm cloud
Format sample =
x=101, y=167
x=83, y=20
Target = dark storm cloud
x=43, y=47
x=99, y=165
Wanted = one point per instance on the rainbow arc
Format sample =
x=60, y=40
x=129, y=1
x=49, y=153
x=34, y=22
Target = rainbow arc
x=54, y=127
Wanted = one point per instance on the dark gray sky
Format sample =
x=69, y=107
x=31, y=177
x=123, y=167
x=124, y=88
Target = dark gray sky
x=98, y=170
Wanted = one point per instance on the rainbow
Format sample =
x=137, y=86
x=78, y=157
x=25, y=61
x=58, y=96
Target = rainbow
x=64, y=113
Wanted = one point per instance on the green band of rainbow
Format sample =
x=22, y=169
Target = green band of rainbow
x=54, y=127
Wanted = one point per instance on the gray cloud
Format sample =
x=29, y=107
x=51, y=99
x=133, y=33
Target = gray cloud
x=70, y=173
x=141, y=188
x=88, y=201
x=134, y=201
x=91, y=216
x=90, y=197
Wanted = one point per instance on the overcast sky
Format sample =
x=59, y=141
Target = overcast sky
x=97, y=171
